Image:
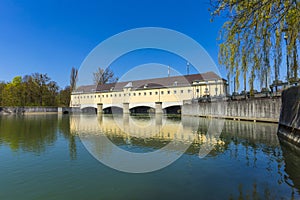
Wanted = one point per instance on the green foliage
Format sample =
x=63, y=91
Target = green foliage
x=251, y=39
x=33, y=90
x=64, y=97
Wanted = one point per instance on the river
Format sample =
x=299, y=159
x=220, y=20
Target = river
x=69, y=157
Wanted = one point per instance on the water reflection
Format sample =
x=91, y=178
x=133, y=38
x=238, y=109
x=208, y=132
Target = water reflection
x=34, y=133
x=148, y=132
x=28, y=133
x=156, y=131
x=169, y=138
x=247, y=160
x=291, y=155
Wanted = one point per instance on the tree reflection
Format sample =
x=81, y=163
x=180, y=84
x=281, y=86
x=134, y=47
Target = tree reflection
x=64, y=128
x=28, y=133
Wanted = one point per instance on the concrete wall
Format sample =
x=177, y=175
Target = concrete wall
x=264, y=109
x=36, y=110
x=24, y=110
x=289, y=122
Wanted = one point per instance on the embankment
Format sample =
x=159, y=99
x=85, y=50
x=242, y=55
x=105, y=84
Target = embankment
x=36, y=110
x=289, y=121
x=262, y=109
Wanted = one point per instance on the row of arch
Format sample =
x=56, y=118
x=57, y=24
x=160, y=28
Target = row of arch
x=134, y=110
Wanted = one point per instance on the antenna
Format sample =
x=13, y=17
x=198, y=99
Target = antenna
x=188, y=68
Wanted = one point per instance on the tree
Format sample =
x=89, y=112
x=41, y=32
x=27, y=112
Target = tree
x=103, y=76
x=65, y=96
x=73, y=78
x=12, y=92
x=252, y=38
x=2, y=86
x=31, y=90
x=40, y=80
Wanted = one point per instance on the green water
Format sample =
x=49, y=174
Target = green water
x=43, y=157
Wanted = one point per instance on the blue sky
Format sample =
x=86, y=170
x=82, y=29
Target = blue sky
x=53, y=36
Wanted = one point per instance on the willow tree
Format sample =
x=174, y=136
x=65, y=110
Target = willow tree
x=252, y=38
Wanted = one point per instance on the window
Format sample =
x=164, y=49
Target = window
x=145, y=93
x=107, y=95
x=162, y=92
x=156, y=93
x=129, y=94
x=197, y=90
x=150, y=93
x=95, y=96
x=115, y=95
x=124, y=94
x=110, y=95
x=181, y=91
x=189, y=91
x=119, y=95
x=168, y=91
x=133, y=94
x=99, y=96
x=103, y=95
x=139, y=94
x=175, y=91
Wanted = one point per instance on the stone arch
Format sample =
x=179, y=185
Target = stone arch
x=175, y=109
x=142, y=110
x=112, y=110
x=89, y=110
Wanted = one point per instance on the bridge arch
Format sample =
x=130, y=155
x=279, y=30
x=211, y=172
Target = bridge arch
x=112, y=110
x=89, y=110
x=175, y=109
x=169, y=104
x=142, y=110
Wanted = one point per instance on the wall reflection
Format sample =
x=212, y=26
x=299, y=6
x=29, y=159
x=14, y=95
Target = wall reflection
x=291, y=155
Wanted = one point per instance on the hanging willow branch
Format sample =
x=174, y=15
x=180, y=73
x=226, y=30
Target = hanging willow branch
x=251, y=39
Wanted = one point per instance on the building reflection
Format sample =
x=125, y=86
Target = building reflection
x=152, y=131
x=157, y=130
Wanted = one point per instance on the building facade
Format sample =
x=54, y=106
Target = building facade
x=153, y=93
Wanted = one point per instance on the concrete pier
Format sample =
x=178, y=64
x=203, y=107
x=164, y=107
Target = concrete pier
x=99, y=108
x=126, y=108
x=158, y=108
